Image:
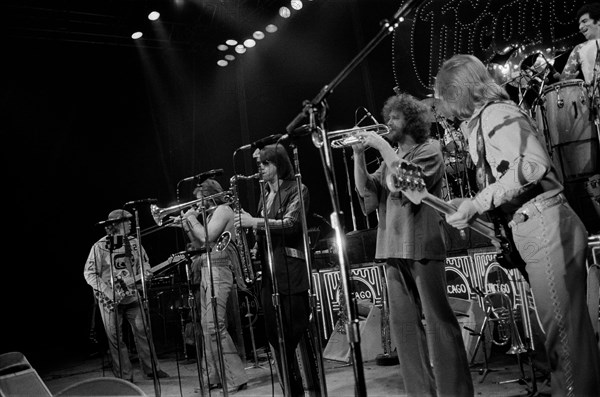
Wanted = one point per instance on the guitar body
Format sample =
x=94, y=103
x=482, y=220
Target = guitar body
x=409, y=180
x=123, y=290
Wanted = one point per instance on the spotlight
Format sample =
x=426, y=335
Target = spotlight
x=258, y=35
x=229, y=57
x=222, y=63
x=240, y=49
x=271, y=28
x=136, y=35
x=231, y=42
x=249, y=43
x=222, y=47
x=154, y=15
x=296, y=4
x=285, y=12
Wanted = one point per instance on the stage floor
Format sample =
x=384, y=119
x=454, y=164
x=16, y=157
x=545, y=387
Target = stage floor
x=380, y=380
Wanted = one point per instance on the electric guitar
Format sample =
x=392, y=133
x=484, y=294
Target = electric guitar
x=122, y=289
x=408, y=179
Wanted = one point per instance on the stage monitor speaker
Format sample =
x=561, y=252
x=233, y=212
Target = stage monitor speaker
x=338, y=348
x=102, y=387
x=470, y=318
x=18, y=378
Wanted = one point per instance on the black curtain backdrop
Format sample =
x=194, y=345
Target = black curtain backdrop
x=88, y=127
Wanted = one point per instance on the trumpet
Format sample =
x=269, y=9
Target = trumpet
x=345, y=138
x=160, y=213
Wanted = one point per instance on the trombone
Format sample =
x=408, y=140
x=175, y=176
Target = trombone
x=345, y=138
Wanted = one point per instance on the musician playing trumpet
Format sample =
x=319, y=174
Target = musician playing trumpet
x=409, y=239
x=224, y=263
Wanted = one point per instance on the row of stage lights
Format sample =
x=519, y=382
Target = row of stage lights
x=239, y=47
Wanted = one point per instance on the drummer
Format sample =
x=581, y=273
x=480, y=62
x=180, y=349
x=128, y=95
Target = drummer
x=585, y=55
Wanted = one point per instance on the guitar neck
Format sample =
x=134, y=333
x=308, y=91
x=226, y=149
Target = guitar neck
x=449, y=209
x=162, y=265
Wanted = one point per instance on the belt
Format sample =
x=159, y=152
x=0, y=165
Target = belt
x=294, y=253
x=534, y=208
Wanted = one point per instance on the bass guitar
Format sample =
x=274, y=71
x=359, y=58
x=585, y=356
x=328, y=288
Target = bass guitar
x=408, y=179
x=122, y=289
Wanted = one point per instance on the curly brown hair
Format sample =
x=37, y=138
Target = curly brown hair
x=414, y=115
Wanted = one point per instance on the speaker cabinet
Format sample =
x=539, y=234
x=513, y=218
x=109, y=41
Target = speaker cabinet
x=18, y=378
x=338, y=347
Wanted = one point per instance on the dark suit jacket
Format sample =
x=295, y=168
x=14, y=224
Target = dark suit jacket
x=289, y=264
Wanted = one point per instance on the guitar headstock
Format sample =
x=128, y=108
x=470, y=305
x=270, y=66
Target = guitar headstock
x=408, y=179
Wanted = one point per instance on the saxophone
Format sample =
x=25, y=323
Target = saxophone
x=242, y=242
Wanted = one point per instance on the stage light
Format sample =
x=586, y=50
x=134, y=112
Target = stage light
x=271, y=28
x=136, y=35
x=285, y=12
x=222, y=47
x=222, y=63
x=258, y=35
x=229, y=57
x=249, y=43
x=231, y=42
x=154, y=15
x=240, y=49
x=296, y=4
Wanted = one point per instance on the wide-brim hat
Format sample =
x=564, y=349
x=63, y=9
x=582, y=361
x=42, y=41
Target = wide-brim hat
x=119, y=215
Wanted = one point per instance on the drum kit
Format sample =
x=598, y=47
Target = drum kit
x=458, y=167
x=561, y=109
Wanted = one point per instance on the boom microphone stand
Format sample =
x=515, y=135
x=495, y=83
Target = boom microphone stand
x=111, y=249
x=284, y=370
x=213, y=300
x=310, y=108
x=194, y=312
x=145, y=308
x=315, y=323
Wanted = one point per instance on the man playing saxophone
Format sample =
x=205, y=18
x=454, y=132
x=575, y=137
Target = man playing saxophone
x=224, y=261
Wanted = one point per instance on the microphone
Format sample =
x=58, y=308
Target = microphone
x=551, y=67
x=204, y=175
x=262, y=142
x=371, y=116
x=112, y=221
x=297, y=132
x=142, y=201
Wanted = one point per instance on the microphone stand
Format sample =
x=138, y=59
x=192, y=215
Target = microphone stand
x=193, y=309
x=310, y=108
x=349, y=187
x=213, y=301
x=145, y=309
x=315, y=323
x=111, y=249
x=594, y=95
x=284, y=370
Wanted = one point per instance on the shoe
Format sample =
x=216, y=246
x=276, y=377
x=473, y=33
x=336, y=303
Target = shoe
x=159, y=374
x=236, y=389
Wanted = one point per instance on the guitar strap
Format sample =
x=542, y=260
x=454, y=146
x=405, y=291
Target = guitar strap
x=484, y=178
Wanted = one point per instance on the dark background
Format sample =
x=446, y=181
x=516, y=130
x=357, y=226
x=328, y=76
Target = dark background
x=92, y=120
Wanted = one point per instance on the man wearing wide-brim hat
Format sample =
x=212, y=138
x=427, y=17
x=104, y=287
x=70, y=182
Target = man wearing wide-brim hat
x=114, y=260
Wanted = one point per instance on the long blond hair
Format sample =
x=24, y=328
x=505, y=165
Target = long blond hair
x=464, y=84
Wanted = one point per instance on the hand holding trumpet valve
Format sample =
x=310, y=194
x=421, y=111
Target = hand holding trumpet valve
x=368, y=138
